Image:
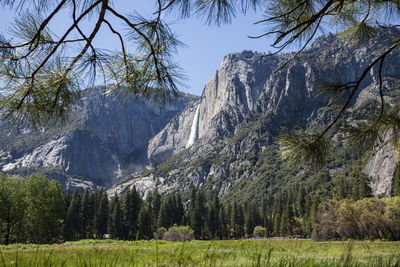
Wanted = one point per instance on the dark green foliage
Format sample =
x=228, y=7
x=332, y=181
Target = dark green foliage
x=164, y=218
x=86, y=215
x=101, y=217
x=116, y=221
x=213, y=219
x=300, y=201
x=145, y=223
x=73, y=218
x=224, y=227
x=131, y=203
x=12, y=204
x=31, y=209
x=30, y=214
x=198, y=215
x=237, y=221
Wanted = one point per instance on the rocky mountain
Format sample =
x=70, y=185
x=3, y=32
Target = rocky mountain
x=104, y=137
x=225, y=140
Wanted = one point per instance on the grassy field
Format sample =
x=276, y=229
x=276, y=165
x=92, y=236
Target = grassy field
x=203, y=253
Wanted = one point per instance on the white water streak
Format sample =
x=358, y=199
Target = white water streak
x=193, y=130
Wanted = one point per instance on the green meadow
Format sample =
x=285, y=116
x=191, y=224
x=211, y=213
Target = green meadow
x=203, y=253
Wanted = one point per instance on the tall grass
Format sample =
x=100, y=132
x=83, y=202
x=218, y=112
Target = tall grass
x=87, y=253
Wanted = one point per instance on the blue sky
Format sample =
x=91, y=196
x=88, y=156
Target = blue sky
x=205, y=46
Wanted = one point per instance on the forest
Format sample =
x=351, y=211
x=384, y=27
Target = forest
x=38, y=210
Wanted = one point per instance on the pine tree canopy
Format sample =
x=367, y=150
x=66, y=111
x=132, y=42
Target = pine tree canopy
x=42, y=72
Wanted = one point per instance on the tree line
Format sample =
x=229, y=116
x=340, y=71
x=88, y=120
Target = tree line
x=37, y=210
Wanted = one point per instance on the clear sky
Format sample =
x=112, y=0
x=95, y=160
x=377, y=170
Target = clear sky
x=205, y=46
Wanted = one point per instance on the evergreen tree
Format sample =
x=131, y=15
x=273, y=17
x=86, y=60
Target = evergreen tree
x=199, y=213
x=284, y=228
x=101, y=220
x=223, y=232
x=342, y=192
x=229, y=211
x=91, y=214
x=300, y=202
x=237, y=220
x=73, y=220
x=249, y=222
x=85, y=215
x=179, y=209
x=172, y=209
x=67, y=197
x=131, y=204
x=155, y=205
x=213, y=222
x=116, y=224
x=145, y=224
x=313, y=211
x=277, y=224
x=192, y=201
x=290, y=222
x=164, y=219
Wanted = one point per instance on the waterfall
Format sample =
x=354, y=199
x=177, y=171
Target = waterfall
x=193, y=130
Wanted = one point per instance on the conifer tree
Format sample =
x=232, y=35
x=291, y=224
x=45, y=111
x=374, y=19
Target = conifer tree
x=73, y=220
x=164, y=219
x=223, y=232
x=249, y=222
x=145, y=223
x=284, y=228
x=101, y=220
x=155, y=205
x=313, y=211
x=199, y=213
x=213, y=220
x=116, y=225
x=92, y=214
x=85, y=215
x=179, y=209
x=192, y=202
x=131, y=204
x=237, y=220
x=300, y=201
x=277, y=224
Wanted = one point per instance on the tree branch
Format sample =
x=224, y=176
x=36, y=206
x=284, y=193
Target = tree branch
x=134, y=27
x=356, y=87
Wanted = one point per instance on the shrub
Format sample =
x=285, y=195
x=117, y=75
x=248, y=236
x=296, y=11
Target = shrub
x=367, y=218
x=159, y=233
x=179, y=233
x=259, y=231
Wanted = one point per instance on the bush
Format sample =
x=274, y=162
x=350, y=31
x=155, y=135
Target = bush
x=159, y=233
x=179, y=233
x=367, y=218
x=259, y=231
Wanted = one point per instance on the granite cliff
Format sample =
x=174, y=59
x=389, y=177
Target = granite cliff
x=221, y=140
x=103, y=138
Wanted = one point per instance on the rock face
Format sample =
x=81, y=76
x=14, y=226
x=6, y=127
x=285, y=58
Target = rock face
x=223, y=140
x=382, y=165
x=103, y=138
x=77, y=152
x=226, y=101
x=216, y=141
